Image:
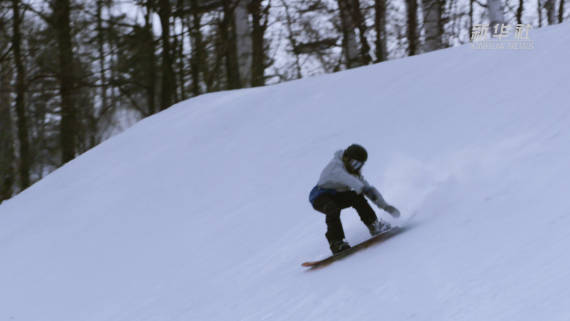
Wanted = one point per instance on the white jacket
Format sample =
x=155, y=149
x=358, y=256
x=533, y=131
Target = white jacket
x=335, y=176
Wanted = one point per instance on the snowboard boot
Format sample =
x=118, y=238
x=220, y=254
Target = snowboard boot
x=339, y=246
x=378, y=227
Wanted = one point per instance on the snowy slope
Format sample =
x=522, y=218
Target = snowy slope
x=201, y=212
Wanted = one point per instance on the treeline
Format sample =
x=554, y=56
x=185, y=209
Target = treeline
x=72, y=72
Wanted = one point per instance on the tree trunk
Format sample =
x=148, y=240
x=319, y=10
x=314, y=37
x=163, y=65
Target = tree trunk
x=471, y=18
x=258, y=42
x=197, y=48
x=168, y=83
x=198, y=63
x=292, y=41
x=150, y=61
x=520, y=10
x=174, y=56
x=412, y=32
x=68, y=125
x=432, y=11
x=180, y=54
x=561, y=12
x=22, y=118
x=539, y=9
x=380, y=27
x=213, y=78
x=228, y=37
x=101, y=48
x=244, y=44
x=550, y=6
x=349, y=43
x=361, y=25
x=496, y=15
x=102, y=75
x=7, y=172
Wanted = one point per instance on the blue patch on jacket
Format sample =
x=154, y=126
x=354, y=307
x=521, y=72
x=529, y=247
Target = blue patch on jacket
x=318, y=191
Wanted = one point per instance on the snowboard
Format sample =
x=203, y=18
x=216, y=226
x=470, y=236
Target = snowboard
x=360, y=246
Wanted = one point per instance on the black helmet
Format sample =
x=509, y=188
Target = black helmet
x=356, y=152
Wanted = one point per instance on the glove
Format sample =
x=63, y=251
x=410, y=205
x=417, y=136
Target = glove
x=392, y=211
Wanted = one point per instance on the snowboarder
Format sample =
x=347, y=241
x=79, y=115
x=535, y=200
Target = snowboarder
x=340, y=186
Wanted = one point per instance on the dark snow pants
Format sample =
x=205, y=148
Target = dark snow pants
x=332, y=204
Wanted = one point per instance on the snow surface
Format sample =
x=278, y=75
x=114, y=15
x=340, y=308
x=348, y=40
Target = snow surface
x=201, y=212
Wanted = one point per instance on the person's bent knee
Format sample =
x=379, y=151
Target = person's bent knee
x=326, y=206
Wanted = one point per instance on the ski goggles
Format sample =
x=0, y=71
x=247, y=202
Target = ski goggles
x=355, y=164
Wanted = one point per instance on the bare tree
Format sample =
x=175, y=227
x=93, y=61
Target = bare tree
x=229, y=43
x=101, y=39
x=198, y=57
x=24, y=143
x=496, y=15
x=180, y=55
x=433, y=24
x=471, y=18
x=7, y=157
x=198, y=51
x=380, y=28
x=412, y=32
x=292, y=38
x=539, y=9
x=61, y=23
x=168, y=81
x=360, y=22
x=149, y=59
x=260, y=20
x=243, y=41
x=349, y=42
x=356, y=51
x=520, y=10
x=550, y=6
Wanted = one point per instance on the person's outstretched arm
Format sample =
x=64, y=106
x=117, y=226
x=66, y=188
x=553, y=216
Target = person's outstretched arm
x=374, y=195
